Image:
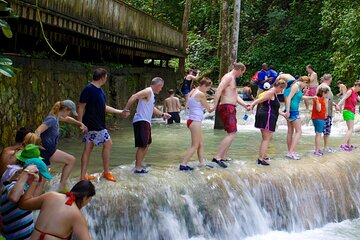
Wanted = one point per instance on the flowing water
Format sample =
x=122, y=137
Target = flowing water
x=312, y=198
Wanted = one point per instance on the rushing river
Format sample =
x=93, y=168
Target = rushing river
x=311, y=198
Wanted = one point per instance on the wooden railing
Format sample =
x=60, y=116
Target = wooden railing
x=113, y=17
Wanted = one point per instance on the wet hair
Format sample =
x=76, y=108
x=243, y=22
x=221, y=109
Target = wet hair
x=310, y=66
x=58, y=106
x=82, y=189
x=321, y=91
x=247, y=84
x=21, y=133
x=339, y=82
x=239, y=66
x=32, y=138
x=280, y=83
x=205, y=81
x=190, y=71
x=357, y=83
x=156, y=81
x=171, y=91
x=304, y=79
x=99, y=73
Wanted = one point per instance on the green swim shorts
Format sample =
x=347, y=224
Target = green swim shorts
x=348, y=115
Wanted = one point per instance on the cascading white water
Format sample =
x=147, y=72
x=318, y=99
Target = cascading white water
x=228, y=203
x=244, y=201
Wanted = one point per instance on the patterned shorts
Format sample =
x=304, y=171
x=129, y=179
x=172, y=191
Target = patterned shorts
x=97, y=137
x=227, y=114
x=327, y=126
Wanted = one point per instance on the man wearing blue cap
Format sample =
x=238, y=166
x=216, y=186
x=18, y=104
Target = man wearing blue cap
x=19, y=223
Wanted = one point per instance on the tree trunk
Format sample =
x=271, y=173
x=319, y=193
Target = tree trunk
x=185, y=25
x=235, y=36
x=224, y=58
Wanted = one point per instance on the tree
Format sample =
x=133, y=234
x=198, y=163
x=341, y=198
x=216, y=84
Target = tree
x=185, y=25
x=235, y=32
x=6, y=12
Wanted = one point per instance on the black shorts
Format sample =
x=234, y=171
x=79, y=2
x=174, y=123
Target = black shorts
x=175, y=117
x=142, y=134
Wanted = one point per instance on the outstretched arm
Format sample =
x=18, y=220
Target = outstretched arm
x=74, y=121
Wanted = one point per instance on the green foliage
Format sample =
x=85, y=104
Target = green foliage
x=341, y=19
x=5, y=63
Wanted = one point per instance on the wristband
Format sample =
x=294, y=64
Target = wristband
x=126, y=110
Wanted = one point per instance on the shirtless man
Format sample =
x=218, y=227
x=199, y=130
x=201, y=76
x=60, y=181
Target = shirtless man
x=7, y=156
x=172, y=106
x=313, y=84
x=227, y=109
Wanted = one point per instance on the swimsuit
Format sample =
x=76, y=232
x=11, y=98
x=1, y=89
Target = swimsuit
x=43, y=234
x=267, y=114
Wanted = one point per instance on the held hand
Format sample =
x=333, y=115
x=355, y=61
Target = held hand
x=125, y=114
x=316, y=98
x=212, y=109
x=33, y=173
x=337, y=108
x=166, y=116
x=249, y=108
x=83, y=128
x=287, y=115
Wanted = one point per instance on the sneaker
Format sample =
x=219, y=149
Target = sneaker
x=108, y=176
x=185, y=168
x=345, y=148
x=329, y=150
x=352, y=147
x=142, y=171
x=220, y=163
x=293, y=156
x=318, y=153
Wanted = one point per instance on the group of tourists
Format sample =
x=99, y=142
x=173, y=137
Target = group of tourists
x=24, y=166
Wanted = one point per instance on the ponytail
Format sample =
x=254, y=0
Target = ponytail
x=57, y=107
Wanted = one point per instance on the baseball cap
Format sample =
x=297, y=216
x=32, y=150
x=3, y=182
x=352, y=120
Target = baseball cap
x=266, y=85
x=70, y=105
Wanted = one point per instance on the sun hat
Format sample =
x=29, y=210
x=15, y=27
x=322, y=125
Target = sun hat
x=266, y=85
x=10, y=171
x=41, y=166
x=70, y=105
x=30, y=151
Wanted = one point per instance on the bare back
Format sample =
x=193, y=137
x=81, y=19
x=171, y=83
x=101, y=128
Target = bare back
x=228, y=93
x=56, y=217
x=172, y=104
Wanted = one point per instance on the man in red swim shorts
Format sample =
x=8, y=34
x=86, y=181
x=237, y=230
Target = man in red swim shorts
x=227, y=109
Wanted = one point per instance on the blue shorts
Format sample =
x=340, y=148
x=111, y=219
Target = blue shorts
x=294, y=115
x=186, y=91
x=318, y=125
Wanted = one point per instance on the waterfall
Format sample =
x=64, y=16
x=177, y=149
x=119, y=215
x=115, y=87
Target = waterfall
x=234, y=203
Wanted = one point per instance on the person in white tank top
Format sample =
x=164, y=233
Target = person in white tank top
x=196, y=102
x=142, y=119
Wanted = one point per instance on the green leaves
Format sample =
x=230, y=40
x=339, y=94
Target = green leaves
x=5, y=67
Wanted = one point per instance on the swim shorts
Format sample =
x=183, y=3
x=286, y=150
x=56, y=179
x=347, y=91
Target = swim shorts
x=227, y=114
x=327, y=126
x=318, y=125
x=175, y=117
x=142, y=134
x=348, y=115
x=97, y=137
x=294, y=115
